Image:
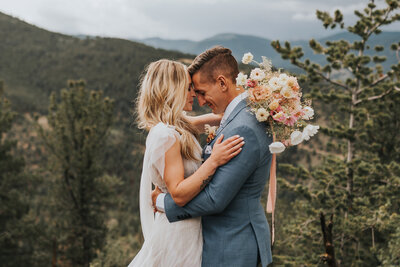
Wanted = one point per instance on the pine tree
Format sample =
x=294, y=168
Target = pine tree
x=17, y=226
x=78, y=127
x=359, y=178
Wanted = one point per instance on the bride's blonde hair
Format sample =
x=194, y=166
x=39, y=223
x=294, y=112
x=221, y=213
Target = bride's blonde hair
x=162, y=97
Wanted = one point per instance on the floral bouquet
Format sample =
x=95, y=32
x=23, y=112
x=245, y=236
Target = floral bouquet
x=275, y=98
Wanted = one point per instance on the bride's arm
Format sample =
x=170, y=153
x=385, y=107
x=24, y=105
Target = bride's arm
x=201, y=120
x=183, y=190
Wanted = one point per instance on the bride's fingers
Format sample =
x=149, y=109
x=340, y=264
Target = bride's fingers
x=236, y=147
x=235, y=153
x=233, y=142
x=219, y=140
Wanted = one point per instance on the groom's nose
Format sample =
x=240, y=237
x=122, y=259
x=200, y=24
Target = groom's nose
x=201, y=100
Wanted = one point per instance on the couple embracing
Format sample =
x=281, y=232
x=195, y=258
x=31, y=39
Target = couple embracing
x=206, y=208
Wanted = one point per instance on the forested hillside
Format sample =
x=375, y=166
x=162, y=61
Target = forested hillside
x=35, y=62
x=71, y=153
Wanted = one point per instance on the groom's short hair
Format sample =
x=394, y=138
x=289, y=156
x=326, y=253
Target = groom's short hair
x=213, y=62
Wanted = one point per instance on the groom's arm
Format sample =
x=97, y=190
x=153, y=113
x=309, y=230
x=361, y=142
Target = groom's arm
x=226, y=182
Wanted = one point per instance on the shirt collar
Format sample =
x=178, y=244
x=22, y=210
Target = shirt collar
x=232, y=106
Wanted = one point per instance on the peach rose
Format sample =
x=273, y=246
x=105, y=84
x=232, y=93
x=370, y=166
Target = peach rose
x=292, y=83
x=274, y=105
x=259, y=93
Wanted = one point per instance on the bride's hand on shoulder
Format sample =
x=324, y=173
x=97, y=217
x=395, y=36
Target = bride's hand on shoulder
x=200, y=121
x=224, y=151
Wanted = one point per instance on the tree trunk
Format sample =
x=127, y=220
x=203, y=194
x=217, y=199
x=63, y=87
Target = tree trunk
x=329, y=256
x=54, y=256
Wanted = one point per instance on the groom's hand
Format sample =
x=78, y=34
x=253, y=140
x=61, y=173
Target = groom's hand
x=154, y=196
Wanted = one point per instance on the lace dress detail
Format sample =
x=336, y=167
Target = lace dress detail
x=166, y=244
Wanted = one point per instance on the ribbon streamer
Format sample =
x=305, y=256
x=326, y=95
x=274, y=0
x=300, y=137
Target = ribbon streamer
x=272, y=192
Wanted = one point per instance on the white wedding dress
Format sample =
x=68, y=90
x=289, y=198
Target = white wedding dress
x=165, y=244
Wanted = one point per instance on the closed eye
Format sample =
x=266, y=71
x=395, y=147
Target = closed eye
x=199, y=92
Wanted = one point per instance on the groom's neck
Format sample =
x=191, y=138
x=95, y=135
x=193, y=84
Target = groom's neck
x=234, y=92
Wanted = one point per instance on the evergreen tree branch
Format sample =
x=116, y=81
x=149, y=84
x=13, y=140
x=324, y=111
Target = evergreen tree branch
x=69, y=189
x=328, y=79
x=373, y=83
x=377, y=96
x=322, y=75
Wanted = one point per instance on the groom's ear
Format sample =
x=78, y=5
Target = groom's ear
x=222, y=83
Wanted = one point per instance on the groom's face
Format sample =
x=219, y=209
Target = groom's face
x=210, y=93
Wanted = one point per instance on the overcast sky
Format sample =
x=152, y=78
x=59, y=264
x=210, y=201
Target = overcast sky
x=182, y=19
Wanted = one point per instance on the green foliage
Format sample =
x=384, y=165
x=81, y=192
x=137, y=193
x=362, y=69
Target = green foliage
x=18, y=229
x=358, y=179
x=36, y=62
x=77, y=129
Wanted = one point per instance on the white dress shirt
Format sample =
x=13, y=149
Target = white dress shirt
x=231, y=106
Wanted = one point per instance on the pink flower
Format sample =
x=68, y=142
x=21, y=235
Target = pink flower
x=298, y=114
x=290, y=121
x=251, y=83
x=280, y=116
x=279, y=109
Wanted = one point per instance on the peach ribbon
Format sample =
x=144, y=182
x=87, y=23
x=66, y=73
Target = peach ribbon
x=272, y=195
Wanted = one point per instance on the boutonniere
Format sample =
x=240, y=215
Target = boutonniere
x=210, y=131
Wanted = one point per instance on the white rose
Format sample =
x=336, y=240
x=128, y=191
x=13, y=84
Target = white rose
x=257, y=74
x=309, y=131
x=308, y=113
x=241, y=79
x=276, y=147
x=247, y=58
x=283, y=79
x=286, y=92
x=262, y=114
x=274, y=84
x=296, y=138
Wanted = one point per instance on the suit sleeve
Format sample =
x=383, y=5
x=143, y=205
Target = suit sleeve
x=226, y=183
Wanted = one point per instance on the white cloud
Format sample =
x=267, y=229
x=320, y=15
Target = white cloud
x=180, y=19
x=304, y=17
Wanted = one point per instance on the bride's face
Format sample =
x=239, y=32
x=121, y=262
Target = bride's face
x=189, y=97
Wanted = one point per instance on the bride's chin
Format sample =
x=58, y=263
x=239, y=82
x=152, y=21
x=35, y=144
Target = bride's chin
x=188, y=108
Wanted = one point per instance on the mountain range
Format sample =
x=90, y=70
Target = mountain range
x=240, y=44
x=35, y=62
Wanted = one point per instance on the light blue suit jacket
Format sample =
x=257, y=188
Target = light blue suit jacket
x=235, y=229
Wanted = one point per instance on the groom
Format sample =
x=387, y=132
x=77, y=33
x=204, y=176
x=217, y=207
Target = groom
x=235, y=229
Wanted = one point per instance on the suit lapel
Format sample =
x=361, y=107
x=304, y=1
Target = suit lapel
x=241, y=105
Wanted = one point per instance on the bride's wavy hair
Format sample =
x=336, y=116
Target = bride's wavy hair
x=162, y=97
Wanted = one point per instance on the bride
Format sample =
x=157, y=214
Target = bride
x=172, y=162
